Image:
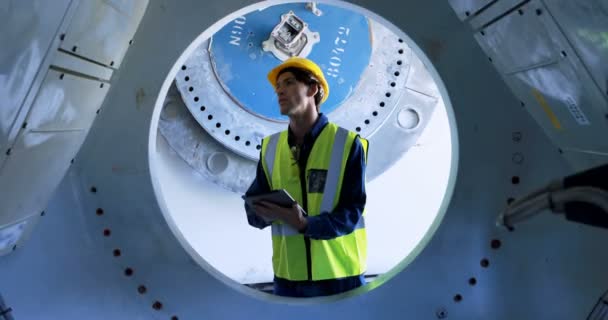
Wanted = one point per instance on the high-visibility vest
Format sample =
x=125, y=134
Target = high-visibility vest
x=321, y=184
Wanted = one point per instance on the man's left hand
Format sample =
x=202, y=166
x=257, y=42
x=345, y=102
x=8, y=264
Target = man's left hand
x=292, y=216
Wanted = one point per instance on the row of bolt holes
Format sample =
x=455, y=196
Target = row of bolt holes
x=387, y=94
x=358, y=129
x=157, y=305
x=210, y=117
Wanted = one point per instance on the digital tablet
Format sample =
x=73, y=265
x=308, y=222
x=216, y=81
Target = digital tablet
x=278, y=197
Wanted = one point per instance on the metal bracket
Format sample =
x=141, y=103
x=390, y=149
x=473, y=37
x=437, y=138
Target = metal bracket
x=291, y=37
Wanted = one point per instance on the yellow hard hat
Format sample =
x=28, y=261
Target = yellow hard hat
x=301, y=63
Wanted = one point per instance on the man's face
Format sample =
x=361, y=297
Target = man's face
x=292, y=94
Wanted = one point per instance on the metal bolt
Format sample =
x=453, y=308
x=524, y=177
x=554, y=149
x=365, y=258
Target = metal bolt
x=517, y=136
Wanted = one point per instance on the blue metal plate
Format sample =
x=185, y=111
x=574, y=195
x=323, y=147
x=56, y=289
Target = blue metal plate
x=241, y=65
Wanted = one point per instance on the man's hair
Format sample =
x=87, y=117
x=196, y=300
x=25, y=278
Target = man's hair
x=307, y=78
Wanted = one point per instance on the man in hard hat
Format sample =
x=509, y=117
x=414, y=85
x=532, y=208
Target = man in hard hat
x=319, y=244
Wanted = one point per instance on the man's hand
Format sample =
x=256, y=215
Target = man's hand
x=292, y=216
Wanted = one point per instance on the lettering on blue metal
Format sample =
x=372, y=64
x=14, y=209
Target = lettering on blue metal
x=336, y=60
x=241, y=64
x=237, y=30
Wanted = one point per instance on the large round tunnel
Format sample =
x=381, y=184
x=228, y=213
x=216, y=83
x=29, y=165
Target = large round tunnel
x=105, y=243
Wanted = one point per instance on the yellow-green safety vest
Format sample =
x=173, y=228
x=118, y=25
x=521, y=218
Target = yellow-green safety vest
x=340, y=257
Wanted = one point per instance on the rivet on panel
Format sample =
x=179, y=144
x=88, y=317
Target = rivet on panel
x=457, y=298
x=142, y=289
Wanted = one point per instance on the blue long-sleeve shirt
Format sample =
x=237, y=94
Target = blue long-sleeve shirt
x=343, y=219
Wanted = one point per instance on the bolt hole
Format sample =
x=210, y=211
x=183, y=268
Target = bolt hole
x=521, y=12
x=218, y=125
x=24, y=125
x=466, y=13
x=107, y=232
x=227, y=132
x=195, y=99
x=489, y=58
x=142, y=289
x=111, y=63
x=485, y=263
x=174, y=318
x=539, y=12
x=128, y=272
x=393, y=84
x=93, y=189
x=183, y=67
x=99, y=211
x=247, y=143
x=366, y=121
x=457, y=298
x=564, y=54
x=472, y=281
x=209, y=117
x=388, y=94
x=382, y=104
x=399, y=62
x=515, y=180
x=42, y=214
x=375, y=113
x=397, y=73
x=510, y=200
x=61, y=76
x=237, y=138
x=400, y=51
x=62, y=37
x=101, y=85
x=483, y=33
x=496, y=244
x=358, y=129
x=522, y=103
x=187, y=78
x=157, y=305
x=190, y=89
x=258, y=147
x=116, y=253
x=203, y=108
x=130, y=42
x=74, y=48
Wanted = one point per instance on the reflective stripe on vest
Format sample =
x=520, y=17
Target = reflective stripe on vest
x=285, y=230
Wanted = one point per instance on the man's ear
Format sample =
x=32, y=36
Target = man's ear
x=313, y=89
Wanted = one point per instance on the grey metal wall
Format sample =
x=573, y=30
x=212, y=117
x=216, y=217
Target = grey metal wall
x=71, y=269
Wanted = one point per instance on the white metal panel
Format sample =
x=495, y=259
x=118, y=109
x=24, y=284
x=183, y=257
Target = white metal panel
x=102, y=30
x=519, y=41
x=466, y=8
x=542, y=69
x=27, y=32
x=11, y=237
x=69, y=62
x=585, y=24
x=56, y=127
